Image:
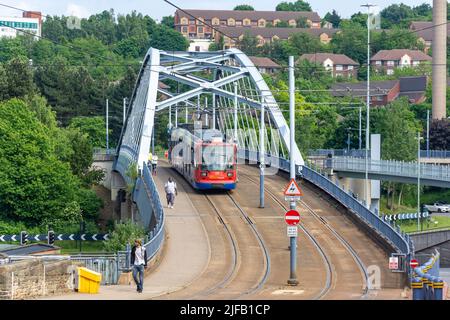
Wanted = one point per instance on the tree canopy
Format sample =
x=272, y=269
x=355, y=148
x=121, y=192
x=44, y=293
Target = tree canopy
x=298, y=5
x=245, y=7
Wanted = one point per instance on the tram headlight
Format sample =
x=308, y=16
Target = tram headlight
x=204, y=174
x=230, y=174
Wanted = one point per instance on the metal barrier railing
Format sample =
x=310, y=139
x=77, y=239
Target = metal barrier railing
x=361, y=153
x=149, y=205
x=357, y=153
x=392, y=234
x=443, y=154
x=391, y=167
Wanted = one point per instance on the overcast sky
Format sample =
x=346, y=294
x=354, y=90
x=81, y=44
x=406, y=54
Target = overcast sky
x=158, y=8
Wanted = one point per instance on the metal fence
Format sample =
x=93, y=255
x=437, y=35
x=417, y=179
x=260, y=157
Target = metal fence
x=361, y=153
x=107, y=265
x=149, y=205
x=357, y=153
x=387, y=230
x=435, y=154
x=393, y=168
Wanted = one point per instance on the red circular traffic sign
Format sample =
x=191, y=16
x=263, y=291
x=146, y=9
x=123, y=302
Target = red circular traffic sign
x=414, y=263
x=292, y=217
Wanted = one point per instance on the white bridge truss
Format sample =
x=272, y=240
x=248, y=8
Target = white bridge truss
x=222, y=89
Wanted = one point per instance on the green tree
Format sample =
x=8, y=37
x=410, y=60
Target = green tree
x=244, y=7
x=334, y=18
x=395, y=15
x=302, y=42
x=35, y=187
x=19, y=75
x=298, y=5
x=164, y=38
x=249, y=44
x=283, y=24
x=398, y=128
x=168, y=21
x=440, y=134
x=93, y=127
x=351, y=41
x=123, y=234
x=12, y=48
x=302, y=22
x=423, y=10
x=359, y=19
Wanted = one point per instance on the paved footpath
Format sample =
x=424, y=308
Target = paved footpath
x=186, y=252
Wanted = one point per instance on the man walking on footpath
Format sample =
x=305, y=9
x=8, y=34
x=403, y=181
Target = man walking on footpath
x=154, y=163
x=171, y=190
x=139, y=262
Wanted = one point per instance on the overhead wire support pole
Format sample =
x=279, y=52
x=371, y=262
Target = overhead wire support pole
x=214, y=110
x=360, y=128
x=206, y=114
x=366, y=181
x=176, y=116
x=235, y=112
x=107, y=127
x=124, y=111
x=261, y=157
x=428, y=133
x=418, y=180
x=293, y=240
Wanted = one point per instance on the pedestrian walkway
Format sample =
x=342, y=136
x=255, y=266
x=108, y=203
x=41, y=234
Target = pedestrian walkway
x=186, y=251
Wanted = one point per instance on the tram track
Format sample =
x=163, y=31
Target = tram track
x=326, y=257
x=238, y=234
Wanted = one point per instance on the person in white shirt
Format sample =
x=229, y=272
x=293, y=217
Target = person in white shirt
x=139, y=262
x=171, y=190
x=154, y=163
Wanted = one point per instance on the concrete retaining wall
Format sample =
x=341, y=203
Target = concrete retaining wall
x=34, y=278
x=428, y=242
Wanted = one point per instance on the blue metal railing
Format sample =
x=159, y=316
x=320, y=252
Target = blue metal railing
x=392, y=234
x=356, y=153
x=435, y=154
x=392, y=168
x=149, y=205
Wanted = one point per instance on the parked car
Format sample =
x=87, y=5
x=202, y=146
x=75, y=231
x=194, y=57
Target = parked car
x=438, y=207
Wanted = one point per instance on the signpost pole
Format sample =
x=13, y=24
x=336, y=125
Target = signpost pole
x=293, y=240
x=261, y=158
x=107, y=126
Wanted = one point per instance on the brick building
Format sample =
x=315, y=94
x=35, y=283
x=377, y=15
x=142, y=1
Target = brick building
x=384, y=92
x=338, y=64
x=388, y=60
x=194, y=29
x=424, y=30
x=265, y=65
x=267, y=35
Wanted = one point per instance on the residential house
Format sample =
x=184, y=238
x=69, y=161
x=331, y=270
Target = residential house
x=338, y=64
x=265, y=65
x=384, y=92
x=424, y=30
x=267, y=35
x=388, y=60
x=200, y=28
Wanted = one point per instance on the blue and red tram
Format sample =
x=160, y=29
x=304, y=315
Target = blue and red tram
x=204, y=158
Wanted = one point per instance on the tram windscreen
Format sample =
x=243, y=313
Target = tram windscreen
x=217, y=157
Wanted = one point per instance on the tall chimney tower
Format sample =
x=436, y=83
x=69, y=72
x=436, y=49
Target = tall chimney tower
x=439, y=58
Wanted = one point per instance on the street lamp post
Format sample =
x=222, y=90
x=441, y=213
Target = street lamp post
x=418, y=180
x=368, y=6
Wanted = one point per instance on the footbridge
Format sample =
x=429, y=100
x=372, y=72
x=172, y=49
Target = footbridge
x=224, y=90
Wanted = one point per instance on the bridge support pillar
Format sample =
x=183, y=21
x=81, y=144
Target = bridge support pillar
x=356, y=188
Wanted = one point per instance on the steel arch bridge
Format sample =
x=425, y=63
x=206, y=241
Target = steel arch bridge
x=222, y=89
